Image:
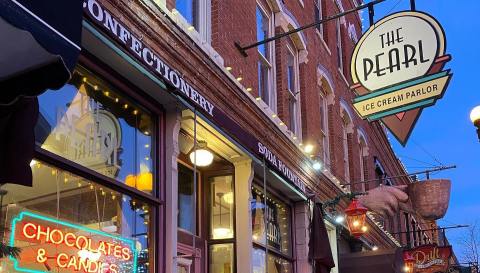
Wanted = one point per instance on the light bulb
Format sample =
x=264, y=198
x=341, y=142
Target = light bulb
x=308, y=148
x=356, y=223
x=475, y=114
x=339, y=219
x=317, y=165
x=201, y=157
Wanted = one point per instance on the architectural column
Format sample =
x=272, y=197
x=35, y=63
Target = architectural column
x=302, y=237
x=243, y=188
x=172, y=129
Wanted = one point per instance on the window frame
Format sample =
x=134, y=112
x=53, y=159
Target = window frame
x=204, y=15
x=319, y=16
x=346, y=154
x=290, y=206
x=324, y=131
x=294, y=95
x=339, y=45
x=156, y=200
x=268, y=60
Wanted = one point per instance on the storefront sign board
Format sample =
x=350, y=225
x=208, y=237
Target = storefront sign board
x=51, y=245
x=431, y=258
x=397, y=70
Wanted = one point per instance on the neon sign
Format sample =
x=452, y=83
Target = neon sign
x=50, y=245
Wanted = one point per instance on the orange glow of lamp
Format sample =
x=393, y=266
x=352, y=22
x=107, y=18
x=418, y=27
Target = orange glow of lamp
x=356, y=215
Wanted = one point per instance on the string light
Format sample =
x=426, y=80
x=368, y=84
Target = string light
x=125, y=106
x=249, y=89
x=135, y=112
x=228, y=68
x=239, y=79
x=116, y=99
x=106, y=93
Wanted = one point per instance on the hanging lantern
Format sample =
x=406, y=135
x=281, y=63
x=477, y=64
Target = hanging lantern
x=409, y=263
x=356, y=214
x=201, y=156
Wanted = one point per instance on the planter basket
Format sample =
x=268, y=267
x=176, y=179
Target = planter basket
x=430, y=198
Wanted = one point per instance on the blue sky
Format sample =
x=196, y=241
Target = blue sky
x=444, y=132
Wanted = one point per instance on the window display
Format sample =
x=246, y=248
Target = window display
x=277, y=229
x=66, y=223
x=90, y=123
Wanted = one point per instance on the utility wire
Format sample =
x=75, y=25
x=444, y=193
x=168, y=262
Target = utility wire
x=426, y=152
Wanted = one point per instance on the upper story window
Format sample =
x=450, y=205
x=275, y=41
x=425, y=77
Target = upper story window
x=265, y=56
x=324, y=149
x=347, y=130
x=319, y=15
x=197, y=15
x=362, y=154
x=339, y=45
x=189, y=9
x=293, y=86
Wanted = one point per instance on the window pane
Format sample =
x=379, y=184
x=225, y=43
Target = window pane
x=258, y=260
x=221, y=207
x=292, y=108
x=263, y=71
x=278, y=265
x=65, y=223
x=277, y=231
x=291, y=73
x=188, y=9
x=186, y=199
x=262, y=31
x=275, y=263
x=91, y=124
x=221, y=258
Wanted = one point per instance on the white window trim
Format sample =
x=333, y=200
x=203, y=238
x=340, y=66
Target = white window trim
x=325, y=45
x=318, y=6
x=272, y=87
x=325, y=131
x=345, y=152
x=332, y=239
x=340, y=63
x=296, y=93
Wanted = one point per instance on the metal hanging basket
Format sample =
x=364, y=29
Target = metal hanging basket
x=430, y=198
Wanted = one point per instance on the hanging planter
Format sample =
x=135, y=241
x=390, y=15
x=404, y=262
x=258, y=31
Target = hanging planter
x=430, y=198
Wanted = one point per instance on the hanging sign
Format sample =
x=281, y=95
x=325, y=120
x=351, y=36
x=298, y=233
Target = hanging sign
x=431, y=258
x=50, y=245
x=397, y=70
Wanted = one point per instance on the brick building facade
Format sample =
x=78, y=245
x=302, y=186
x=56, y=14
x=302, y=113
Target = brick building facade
x=277, y=126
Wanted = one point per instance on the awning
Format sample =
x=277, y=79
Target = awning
x=384, y=261
x=39, y=48
x=40, y=45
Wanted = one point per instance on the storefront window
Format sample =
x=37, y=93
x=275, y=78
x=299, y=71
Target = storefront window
x=90, y=123
x=221, y=210
x=276, y=232
x=186, y=199
x=221, y=258
x=275, y=263
x=65, y=223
